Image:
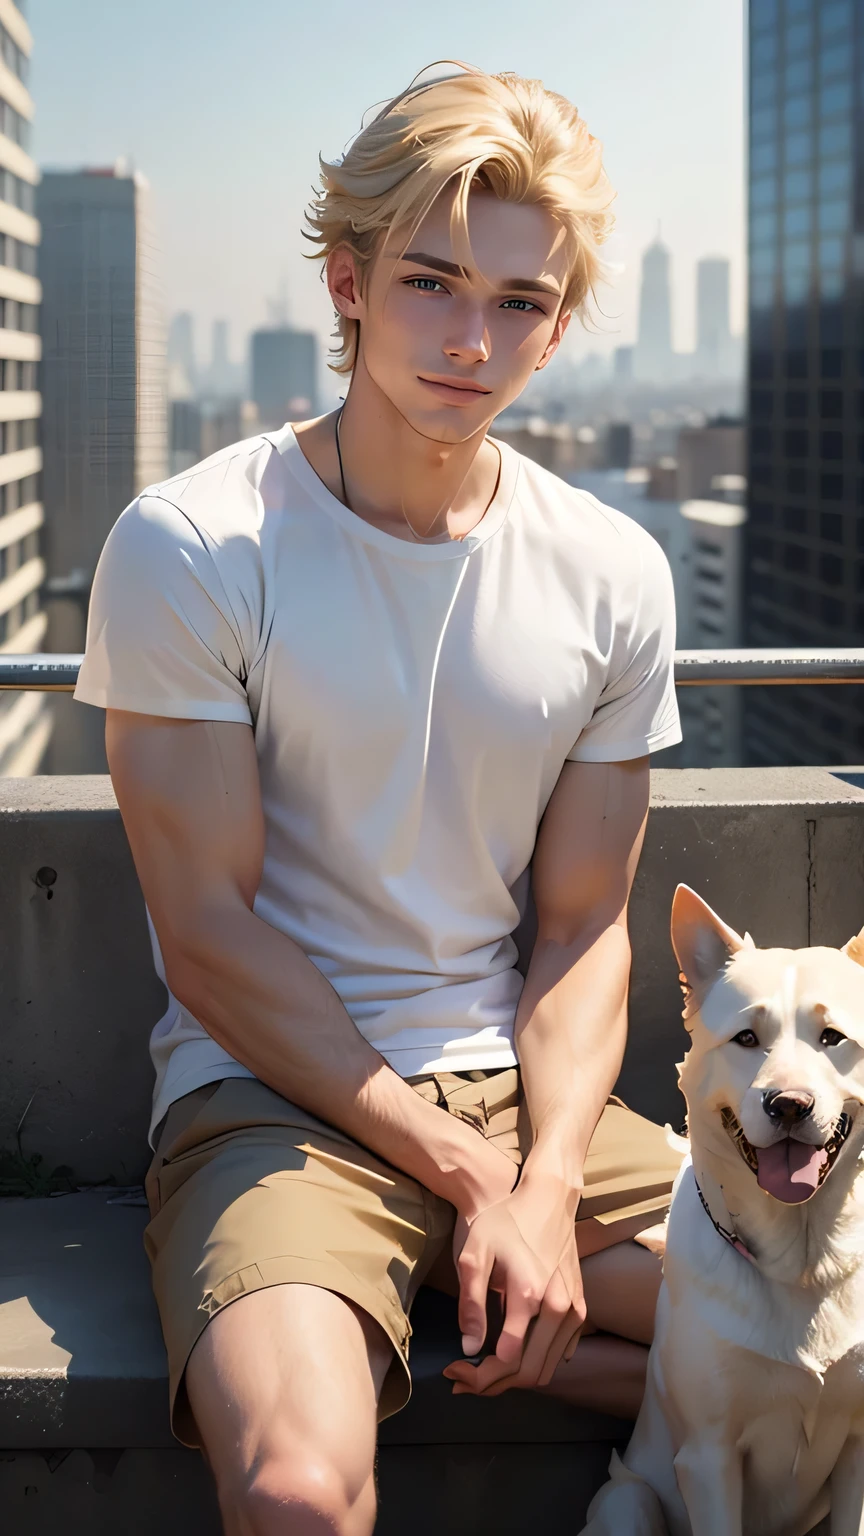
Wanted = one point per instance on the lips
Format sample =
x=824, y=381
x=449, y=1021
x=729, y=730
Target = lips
x=790, y=1171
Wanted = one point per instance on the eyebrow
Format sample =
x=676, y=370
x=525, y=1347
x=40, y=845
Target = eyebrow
x=452, y=269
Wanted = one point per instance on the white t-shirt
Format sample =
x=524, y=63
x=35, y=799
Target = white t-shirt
x=413, y=706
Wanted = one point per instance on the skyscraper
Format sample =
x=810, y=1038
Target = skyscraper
x=25, y=719
x=653, y=358
x=284, y=368
x=804, y=573
x=713, y=334
x=104, y=424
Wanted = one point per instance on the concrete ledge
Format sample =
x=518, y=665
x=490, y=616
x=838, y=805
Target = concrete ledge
x=82, y=1360
x=778, y=851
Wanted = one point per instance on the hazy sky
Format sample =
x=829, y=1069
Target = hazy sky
x=224, y=107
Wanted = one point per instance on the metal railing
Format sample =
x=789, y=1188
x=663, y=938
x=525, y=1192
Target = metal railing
x=59, y=674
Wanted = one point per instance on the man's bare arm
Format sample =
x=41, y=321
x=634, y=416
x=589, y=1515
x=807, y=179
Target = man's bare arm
x=570, y=1035
x=189, y=795
x=571, y=1025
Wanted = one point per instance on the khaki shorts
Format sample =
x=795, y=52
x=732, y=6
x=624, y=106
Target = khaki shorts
x=248, y=1191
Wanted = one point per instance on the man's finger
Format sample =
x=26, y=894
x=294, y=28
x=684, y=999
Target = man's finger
x=565, y=1339
x=474, y=1269
x=521, y=1304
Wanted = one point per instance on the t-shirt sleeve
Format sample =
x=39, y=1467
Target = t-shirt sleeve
x=164, y=636
x=637, y=712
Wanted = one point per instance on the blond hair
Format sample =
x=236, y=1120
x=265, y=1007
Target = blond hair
x=505, y=134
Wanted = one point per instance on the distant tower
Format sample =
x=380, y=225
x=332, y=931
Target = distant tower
x=220, y=363
x=713, y=336
x=652, y=359
x=181, y=344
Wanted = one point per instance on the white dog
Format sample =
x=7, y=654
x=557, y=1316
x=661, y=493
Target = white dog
x=753, y=1419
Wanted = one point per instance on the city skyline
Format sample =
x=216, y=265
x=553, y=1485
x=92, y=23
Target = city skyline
x=674, y=146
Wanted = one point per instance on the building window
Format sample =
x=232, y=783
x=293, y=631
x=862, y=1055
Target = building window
x=796, y=271
x=833, y=217
x=763, y=13
x=797, y=38
x=830, y=487
x=799, y=76
x=796, y=443
x=762, y=124
x=834, y=61
x=795, y=403
x=835, y=179
x=796, y=558
x=831, y=523
x=835, y=18
x=797, y=148
x=763, y=157
x=832, y=612
x=835, y=139
x=835, y=99
x=796, y=113
x=796, y=222
x=831, y=570
x=796, y=186
x=795, y=519
x=831, y=445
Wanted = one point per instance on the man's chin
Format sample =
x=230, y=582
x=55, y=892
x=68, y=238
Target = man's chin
x=447, y=424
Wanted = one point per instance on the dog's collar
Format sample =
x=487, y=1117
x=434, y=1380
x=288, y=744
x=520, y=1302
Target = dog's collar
x=727, y=1233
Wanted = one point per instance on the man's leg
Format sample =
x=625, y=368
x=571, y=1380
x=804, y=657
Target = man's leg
x=607, y=1372
x=283, y=1384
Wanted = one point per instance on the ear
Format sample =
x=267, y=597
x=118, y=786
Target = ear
x=343, y=282
x=702, y=941
x=855, y=948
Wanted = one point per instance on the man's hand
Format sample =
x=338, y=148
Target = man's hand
x=524, y=1248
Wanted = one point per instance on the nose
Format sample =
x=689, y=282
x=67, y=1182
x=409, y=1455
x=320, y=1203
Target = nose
x=469, y=341
x=786, y=1106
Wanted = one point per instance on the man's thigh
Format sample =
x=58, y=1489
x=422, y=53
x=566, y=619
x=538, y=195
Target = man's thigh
x=250, y=1196
x=284, y=1384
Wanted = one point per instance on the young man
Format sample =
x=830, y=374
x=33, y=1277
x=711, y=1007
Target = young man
x=350, y=668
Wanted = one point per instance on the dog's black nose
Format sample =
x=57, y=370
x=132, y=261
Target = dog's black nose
x=786, y=1106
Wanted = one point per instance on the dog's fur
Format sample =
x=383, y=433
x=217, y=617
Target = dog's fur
x=753, y=1419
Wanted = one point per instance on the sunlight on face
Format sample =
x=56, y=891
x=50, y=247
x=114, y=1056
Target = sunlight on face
x=449, y=348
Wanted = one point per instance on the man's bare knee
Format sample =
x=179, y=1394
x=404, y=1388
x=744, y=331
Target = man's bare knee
x=300, y=1494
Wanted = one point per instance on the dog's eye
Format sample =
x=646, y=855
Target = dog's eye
x=831, y=1037
x=747, y=1038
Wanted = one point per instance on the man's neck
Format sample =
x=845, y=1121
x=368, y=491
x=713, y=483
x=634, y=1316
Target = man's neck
x=395, y=478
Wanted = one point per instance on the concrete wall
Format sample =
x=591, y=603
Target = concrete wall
x=777, y=851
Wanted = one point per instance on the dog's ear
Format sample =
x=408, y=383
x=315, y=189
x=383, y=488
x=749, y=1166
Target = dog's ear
x=702, y=942
x=855, y=948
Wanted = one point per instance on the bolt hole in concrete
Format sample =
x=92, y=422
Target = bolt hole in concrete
x=45, y=878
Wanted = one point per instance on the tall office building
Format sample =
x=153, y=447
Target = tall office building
x=653, y=360
x=284, y=374
x=713, y=334
x=25, y=718
x=104, y=395
x=803, y=543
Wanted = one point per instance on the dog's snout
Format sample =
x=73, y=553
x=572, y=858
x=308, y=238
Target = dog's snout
x=787, y=1106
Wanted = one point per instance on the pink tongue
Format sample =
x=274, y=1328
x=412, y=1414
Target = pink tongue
x=789, y=1170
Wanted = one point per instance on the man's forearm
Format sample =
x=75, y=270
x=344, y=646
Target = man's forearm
x=570, y=1035
x=265, y=1002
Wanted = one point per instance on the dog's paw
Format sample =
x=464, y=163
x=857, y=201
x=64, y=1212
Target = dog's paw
x=625, y=1504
